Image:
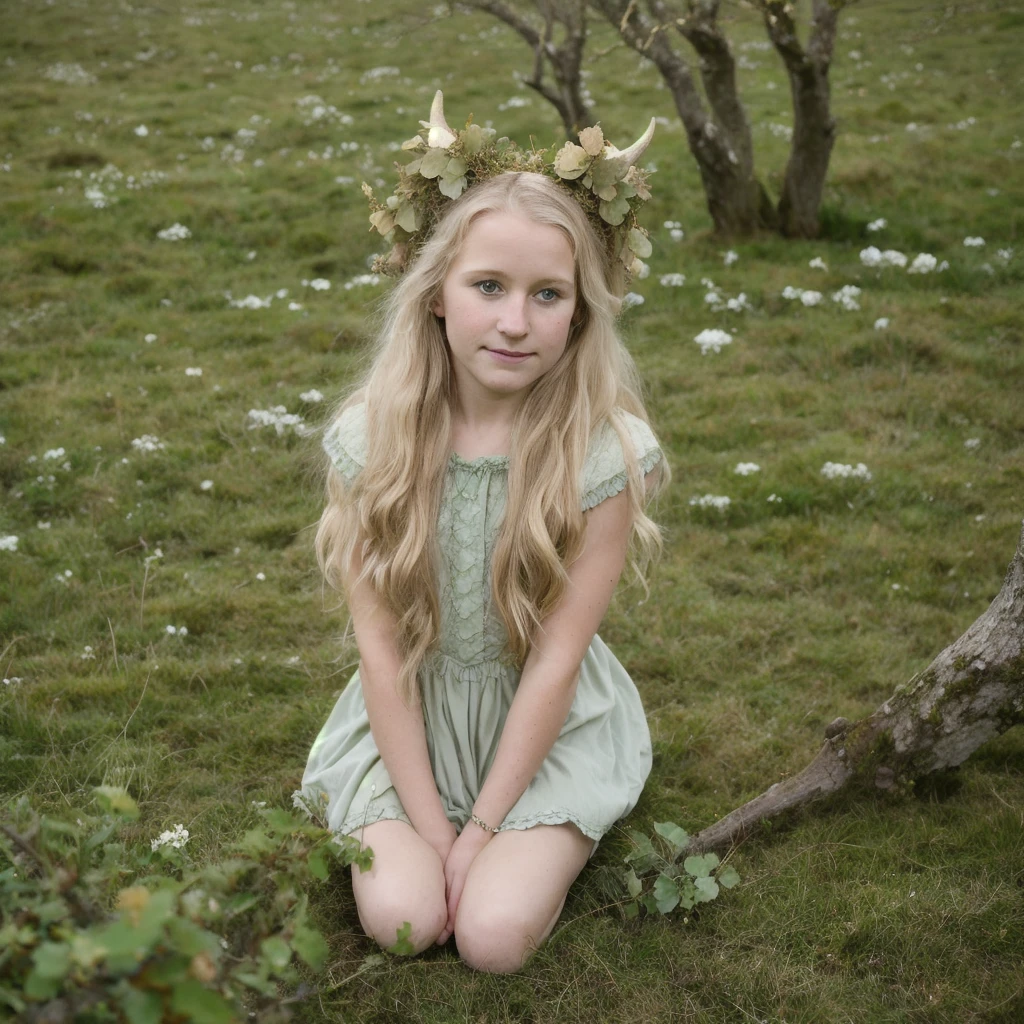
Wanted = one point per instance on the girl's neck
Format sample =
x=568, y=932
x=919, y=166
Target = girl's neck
x=480, y=435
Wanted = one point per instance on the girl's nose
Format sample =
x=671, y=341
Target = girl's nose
x=513, y=322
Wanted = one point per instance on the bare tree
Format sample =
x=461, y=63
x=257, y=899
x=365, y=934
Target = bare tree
x=716, y=124
x=563, y=58
x=970, y=693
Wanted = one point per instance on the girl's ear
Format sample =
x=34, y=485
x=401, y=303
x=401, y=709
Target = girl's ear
x=437, y=307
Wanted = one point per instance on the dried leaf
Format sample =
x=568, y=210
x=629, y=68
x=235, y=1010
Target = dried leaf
x=383, y=220
x=474, y=138
x=452, y=187
x=571, y=161
x=592, y=140
x=416, y=142
x=433, y=163
x=407, y=218
x=641, y=246
x=614, y=212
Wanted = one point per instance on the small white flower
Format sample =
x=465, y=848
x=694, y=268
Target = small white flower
x=251, y=254
x=251, y=302
x=293, y=306
x=840, y=470
x=9, y=543
x=746, y=468
x=881, y=323
x=672, y=280
x=972, y=442
x=42, y=525
x=712, y=339
x=924, y=263
x=1003, y=254
x=150, y=338
x=142, y=131
x=320, y=284
x=279, y=418
x=147, y=443
x=877, y=225
x=789, y=292
x=818, y=264
x=730, y=257
x=175, y=233
x=631, y=299
x=895, y=586
x=176, y=838
x=716, y=501
x=193, y=371
x=774, y=498
x=206, y=485
x=312, y=396
x=676, y=234
x=847, y=296
x=260, y=576
x=358, y=281
x=974, y=242
x=810, y=298
x=54, y=453
x=88, y=654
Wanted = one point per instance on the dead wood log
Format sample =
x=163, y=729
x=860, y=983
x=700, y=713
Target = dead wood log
x=972, y=692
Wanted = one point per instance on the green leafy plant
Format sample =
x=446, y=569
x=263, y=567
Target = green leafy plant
x=659, y=879
x=96, y=928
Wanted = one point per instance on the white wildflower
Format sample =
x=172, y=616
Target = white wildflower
x=712, y=339
x=672, y=280
x=811, y=298
x=358, y=281
x=631, y=299
x=9, y=543
x=176, y=838
x=972, y=442
x=70, y=74
x=773, y=498
x=730, y=257
x=206, y=485
x=149, y=339
x=261, y=576
x=312, y=396
x=279, y=418
x=717, y=501
x=924, y=263
x=877, y=225
x=251, y=302
x=293, y=306
x=319, y=284
x=847, y=297
x=193, y=371
x=841, y=470
x=746, y=468
x=1003, y=254
x=148, y=443
x=789, y=292
x=142, y=131
x=818, y=264
x=175, y=233
x=54, y=453
x=881, y=323
x=974, y=242
x=42, y=525
x=88, y=654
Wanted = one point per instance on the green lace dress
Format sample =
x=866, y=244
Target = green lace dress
x=597, y=767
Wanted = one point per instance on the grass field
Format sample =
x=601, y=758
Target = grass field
x=162, y=624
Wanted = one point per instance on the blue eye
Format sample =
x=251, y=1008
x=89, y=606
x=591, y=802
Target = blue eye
x=548, y=294
x=488, y=287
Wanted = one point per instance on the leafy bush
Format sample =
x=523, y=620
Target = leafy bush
x=96, y=928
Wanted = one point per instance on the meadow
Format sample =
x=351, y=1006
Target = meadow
x=186, y=288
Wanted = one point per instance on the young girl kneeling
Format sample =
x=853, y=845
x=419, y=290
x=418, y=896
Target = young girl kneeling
x=486, y=481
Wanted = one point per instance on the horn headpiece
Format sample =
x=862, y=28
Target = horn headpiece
x=605, y=181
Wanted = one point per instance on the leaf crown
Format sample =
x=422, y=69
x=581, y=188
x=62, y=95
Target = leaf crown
x=605, y=181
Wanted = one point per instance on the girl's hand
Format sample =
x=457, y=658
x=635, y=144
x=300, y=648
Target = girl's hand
x=441, y=838
x=464, y=851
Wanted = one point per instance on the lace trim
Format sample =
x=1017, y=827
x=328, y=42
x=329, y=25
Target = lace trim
x=525, y=821
x=481, y=464
x=355, y=822
x=611, y=487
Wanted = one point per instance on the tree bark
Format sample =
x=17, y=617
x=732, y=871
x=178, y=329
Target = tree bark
x=721, y=144
x=814, y=127
x=565, y=59
x=972, y=692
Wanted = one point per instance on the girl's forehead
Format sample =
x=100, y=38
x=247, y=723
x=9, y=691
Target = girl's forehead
x=500, y=235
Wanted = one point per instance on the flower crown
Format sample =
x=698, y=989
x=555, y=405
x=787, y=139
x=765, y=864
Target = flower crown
x=605, y=181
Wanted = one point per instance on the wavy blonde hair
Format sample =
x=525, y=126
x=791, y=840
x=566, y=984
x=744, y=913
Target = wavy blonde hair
x=384, y=526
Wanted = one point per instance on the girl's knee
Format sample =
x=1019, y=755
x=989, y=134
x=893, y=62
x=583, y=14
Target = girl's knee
x=498, y=940
x=385, y=919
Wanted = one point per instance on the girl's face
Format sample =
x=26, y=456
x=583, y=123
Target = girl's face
x=507, y=303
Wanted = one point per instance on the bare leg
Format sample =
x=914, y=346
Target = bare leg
x=405, y=883
x=514, y=893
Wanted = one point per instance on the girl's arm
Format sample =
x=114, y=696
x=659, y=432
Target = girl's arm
x=397, y=730
x=547, y=685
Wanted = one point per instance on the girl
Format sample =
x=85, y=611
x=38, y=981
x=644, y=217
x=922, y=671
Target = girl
x=486, y=481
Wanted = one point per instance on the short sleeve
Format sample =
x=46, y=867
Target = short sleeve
x=604, y=472
x=345, y=442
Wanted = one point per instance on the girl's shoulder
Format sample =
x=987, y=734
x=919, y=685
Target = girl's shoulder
x=345, y=440
x=605, y=470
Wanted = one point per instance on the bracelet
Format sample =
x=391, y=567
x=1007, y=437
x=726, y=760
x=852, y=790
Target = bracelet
x=483, y=824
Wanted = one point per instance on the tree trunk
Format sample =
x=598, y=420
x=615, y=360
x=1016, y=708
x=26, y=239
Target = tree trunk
x=723, y=151
x=814, y=128
x=972, y=692
x=565, y=60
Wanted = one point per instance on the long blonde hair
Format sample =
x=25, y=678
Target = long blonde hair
x=385, y=523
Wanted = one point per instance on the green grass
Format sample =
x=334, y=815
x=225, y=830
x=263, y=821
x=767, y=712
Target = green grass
x=763, y=623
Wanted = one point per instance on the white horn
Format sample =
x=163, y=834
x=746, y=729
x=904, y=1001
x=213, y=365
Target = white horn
x=439, y=135
x=620, y=160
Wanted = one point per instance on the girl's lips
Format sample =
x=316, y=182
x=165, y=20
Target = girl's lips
x=508, y=357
